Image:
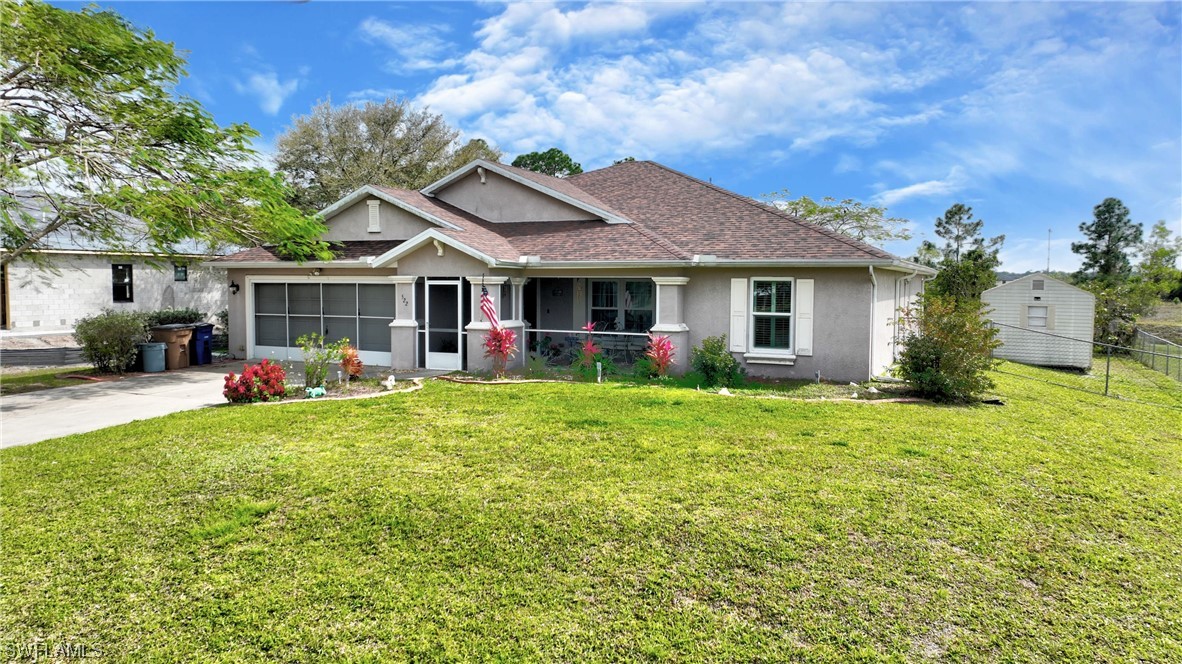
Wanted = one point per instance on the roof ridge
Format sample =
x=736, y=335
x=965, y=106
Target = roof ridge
x=660, y=240
x=841, y=237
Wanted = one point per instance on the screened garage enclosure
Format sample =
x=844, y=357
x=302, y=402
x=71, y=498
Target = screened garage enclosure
x=358, y=311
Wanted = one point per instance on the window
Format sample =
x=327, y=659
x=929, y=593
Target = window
x=623, y=305
x=121, y=283
x=1036, y=317
x=180, y=272
x=771, y=314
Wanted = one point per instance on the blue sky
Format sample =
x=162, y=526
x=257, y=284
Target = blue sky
x=1031, y=113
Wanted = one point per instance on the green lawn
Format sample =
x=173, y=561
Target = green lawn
x=585, y=522
x=20, y=380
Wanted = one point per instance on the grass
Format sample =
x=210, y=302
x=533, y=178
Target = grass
x=21, y=380
x=559, y=522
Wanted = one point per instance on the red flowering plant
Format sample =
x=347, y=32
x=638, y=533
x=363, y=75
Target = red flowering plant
x=258, y=382
x=659, y=353
x=351, y=362
x=500, y=344
x=591, y=354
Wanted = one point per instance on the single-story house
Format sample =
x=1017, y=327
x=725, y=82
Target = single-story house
x=70, y=277
x=1042, y=321
x=633, y=248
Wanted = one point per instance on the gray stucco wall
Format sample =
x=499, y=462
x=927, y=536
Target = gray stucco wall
x=841, y=319
x=352, y=223
x=45, y=300
x=501, y=199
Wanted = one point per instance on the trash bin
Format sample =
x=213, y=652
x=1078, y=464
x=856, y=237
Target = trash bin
x=152, y=355
x=176, y=356
x=201, y=345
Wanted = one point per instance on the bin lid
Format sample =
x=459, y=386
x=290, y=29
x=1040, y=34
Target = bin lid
x=153, y=345
x=174, y=326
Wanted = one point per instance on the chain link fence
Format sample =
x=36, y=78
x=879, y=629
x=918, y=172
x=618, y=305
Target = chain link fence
x=1088, y=366
x=1158, y=354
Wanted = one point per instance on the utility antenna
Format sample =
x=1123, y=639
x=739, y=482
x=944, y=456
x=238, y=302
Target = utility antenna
x=1048, y=250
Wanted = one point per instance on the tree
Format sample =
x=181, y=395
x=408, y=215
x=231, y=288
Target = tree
x=966, y=279
x=961, y=233
x=335, y=149
x=1159, y=259
x=847, y=216
x=96, y=144
x=927, y=254
x=970, y=261
x=551, y=162
x=1110, y=235
x=947, y=349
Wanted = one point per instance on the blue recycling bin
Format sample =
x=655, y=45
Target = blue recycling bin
x=153, y=355
x=203, y=344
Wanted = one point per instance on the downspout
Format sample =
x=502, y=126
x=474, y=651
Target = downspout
x=873, y=306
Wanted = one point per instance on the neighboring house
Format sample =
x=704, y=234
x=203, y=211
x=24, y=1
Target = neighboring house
x=1037, y=318
x=73, y=278
x=635, y=247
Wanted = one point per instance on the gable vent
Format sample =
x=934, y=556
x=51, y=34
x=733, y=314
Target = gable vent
x=375, y=221
x=1038, y=284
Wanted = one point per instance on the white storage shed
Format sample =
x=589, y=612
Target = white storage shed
x=1042, y=321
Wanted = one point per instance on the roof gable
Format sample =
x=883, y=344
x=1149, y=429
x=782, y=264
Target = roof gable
x=557, y=188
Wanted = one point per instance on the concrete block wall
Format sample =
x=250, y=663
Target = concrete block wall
x=80, y=286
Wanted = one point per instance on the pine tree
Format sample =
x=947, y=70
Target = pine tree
x=1109, y=237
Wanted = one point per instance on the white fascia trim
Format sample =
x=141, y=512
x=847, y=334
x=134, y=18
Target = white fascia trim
x=367, y=190
x=284, y=265
x=430, y=189
x=426, y=237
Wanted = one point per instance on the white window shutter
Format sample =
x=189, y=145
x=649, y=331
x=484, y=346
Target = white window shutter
x=375, y=219
x=738, y=335
x=804, y=316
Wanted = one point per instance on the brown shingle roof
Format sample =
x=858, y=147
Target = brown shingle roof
x=702, y=218
x=673, y=217
x=342, y=251
x=551, y=240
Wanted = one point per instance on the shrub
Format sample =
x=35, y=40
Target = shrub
x=185, y=316
x=500, y=344
x=589, y=355
x=947, y=349
x=109, y=339
x=258, y=382
x=317, y=356
x=351, y=362
x=716, y=364
x=659, y=353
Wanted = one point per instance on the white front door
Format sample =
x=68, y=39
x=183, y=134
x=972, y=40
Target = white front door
x=444, y=327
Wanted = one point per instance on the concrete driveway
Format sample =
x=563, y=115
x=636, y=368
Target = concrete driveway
x=36, y=416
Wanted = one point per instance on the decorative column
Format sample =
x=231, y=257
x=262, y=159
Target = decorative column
x=480, y=325
x=518, y=321
x=671, y=318
x=404, y=328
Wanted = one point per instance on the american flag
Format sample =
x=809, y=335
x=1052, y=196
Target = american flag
x=487, y=308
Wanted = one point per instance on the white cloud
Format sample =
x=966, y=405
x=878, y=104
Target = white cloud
x=417, y=47
x=375, y=94
x=270, y=92
x=954, y=182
